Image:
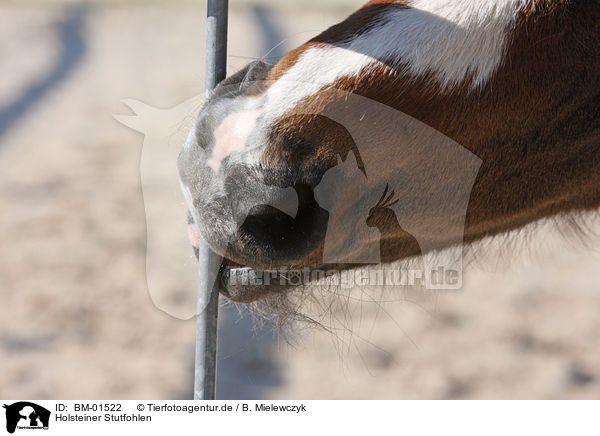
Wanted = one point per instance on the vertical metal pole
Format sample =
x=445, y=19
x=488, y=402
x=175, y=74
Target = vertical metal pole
x=205, y=374
x=216, y=43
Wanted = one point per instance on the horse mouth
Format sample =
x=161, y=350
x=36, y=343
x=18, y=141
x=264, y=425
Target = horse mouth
x=244, y=284
x=241, y=283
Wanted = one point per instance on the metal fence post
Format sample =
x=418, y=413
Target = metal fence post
x=205, y=373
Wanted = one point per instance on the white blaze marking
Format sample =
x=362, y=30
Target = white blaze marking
x=450, y=39
x=316, y=68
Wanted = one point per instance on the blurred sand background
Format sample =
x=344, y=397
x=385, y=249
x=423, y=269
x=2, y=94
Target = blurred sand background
x=76, y=319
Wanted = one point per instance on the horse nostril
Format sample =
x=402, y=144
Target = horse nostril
x=270, y=226
x=284, y=236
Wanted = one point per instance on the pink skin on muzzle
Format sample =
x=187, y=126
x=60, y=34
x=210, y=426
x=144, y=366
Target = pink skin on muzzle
x=231, y=135
x=194, y=235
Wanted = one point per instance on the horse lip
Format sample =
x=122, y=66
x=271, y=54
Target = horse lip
x=230, y=264
x=243, y=284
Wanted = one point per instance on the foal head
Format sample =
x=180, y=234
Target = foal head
x=501, y=96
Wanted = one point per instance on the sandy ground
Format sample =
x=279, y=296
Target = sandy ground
x=76, y=318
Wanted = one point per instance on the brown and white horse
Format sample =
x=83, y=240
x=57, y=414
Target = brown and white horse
x=514, y=82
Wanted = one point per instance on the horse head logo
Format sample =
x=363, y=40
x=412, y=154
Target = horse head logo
x=25, y=414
